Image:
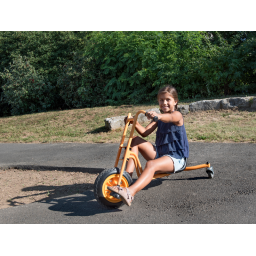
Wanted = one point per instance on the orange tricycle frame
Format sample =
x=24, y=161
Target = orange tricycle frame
x=128, y=154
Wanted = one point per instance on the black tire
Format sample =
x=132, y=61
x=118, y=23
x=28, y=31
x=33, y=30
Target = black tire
x=99, y=190
x=210, y=172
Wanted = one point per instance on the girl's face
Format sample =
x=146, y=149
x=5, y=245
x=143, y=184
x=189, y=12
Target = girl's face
x=166, y=102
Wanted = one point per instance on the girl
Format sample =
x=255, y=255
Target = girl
x=171, y=144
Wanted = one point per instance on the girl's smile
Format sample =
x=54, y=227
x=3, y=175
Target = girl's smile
x=166, y=102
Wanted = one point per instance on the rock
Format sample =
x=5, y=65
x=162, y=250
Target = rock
x=184, y=109
x=205, y=105
x=225, y=104
x=113, y=123
x=241, y=103
x=252, y=103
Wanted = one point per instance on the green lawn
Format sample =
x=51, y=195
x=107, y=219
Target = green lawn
x=87, y=125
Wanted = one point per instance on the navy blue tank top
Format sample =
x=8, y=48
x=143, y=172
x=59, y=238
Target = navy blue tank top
x=172, y=139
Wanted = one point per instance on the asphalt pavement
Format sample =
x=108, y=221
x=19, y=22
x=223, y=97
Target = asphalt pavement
x=186, y=197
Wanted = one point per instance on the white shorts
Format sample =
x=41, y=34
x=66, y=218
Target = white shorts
x=177, y=162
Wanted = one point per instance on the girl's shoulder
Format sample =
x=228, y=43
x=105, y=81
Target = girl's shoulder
x=179, y=121
x=177, y=114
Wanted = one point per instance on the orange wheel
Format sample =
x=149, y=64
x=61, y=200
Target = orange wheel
x=112, y=181
x=109, y=177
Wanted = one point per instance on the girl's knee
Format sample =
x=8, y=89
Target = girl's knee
x=150, y=165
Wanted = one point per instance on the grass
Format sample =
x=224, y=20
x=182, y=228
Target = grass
x=87, y=126
x=221, y=126
x=78, y=125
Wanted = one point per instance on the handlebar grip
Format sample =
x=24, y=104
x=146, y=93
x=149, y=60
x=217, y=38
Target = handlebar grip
x=155, y=118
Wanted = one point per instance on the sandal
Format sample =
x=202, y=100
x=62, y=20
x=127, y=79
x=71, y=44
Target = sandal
x=124, y=193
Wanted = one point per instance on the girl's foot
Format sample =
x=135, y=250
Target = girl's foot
x=124, y=193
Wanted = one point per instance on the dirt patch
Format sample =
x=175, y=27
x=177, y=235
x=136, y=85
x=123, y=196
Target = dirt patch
x=18, y=187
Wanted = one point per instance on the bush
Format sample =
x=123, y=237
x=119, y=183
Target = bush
x=81, y=84
x=130, y=62
x=24, y=90
x=222, y=67
x=47, y=51
x=198, y=64
x=121, y=67
x=137, y=64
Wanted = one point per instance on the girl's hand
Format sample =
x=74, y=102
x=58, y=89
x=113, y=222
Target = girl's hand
x=125, y=120
x=152, y=114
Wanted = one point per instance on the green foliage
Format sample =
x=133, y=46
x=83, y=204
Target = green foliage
x=46, y=51
x=25, y=90
x=81, y=84
x=138, y=63
x=221, y=67
x=119, y=56
x=247, y=53
x=199, y=64
x=231, y=58
x=130, y=66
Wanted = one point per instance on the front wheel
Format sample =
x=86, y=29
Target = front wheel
x=109, y=177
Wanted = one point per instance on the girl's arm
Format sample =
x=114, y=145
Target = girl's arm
x=174, y=117
x=145, y=131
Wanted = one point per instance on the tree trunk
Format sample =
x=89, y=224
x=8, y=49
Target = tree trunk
x=227, y=90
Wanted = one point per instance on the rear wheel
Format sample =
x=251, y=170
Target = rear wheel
x=210, y=172
x=109, y=177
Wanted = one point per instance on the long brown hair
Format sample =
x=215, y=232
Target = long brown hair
x=172, y=91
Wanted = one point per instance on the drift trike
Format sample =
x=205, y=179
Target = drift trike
x=117, y=177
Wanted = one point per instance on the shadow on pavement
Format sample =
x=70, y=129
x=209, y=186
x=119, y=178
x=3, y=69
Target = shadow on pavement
x=86, y=204
x=83, y=204
x=195, y=178
x=78, y=205
x=153, y=183
x=50, y=192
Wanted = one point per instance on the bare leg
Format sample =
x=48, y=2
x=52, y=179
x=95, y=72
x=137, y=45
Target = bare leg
x=164, y=164
x=145, y=148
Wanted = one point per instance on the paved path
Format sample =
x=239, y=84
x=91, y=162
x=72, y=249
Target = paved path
x=187, y=197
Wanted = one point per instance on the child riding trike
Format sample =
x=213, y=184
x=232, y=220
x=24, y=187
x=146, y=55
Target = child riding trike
x=116, y=177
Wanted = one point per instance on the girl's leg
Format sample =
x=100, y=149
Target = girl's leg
x=145, y=148
x=163, y=164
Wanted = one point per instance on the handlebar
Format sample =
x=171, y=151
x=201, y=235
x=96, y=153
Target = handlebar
x=155, y=118
x=129, y=119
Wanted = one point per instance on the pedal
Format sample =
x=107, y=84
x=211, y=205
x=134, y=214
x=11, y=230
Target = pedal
x=115, y=195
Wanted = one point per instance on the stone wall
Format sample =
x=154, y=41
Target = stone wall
x=239, y=103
